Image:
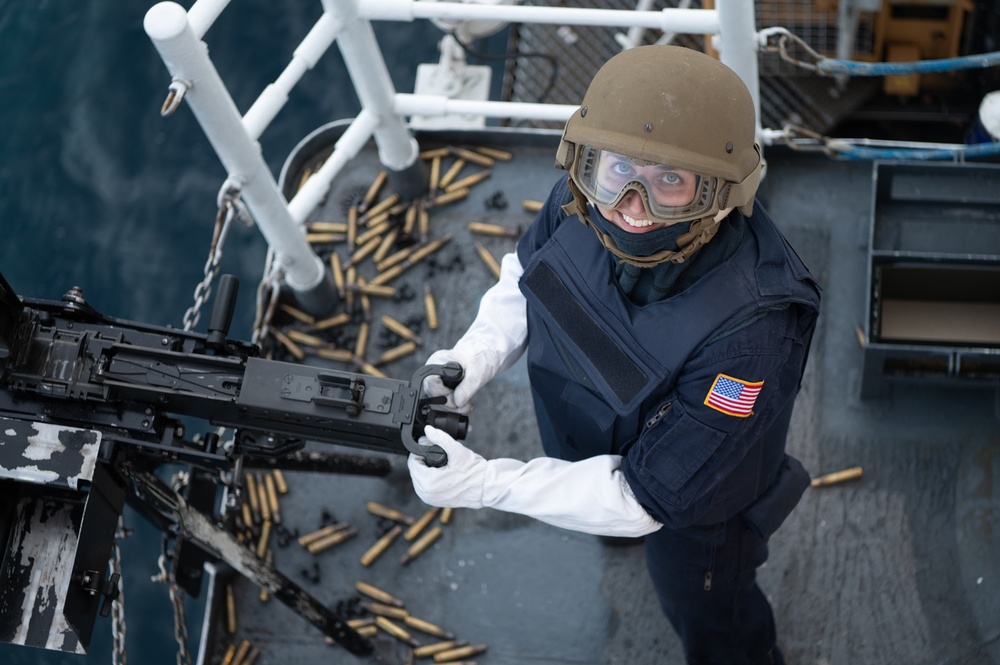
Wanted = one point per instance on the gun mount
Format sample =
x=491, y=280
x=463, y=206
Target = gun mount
x=91, y=406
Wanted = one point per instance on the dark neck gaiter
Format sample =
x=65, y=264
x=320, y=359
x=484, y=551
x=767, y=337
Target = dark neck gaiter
x=647, y=285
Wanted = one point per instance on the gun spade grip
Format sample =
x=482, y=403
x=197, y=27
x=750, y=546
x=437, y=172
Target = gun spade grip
x=435, y=457
x=452, y=374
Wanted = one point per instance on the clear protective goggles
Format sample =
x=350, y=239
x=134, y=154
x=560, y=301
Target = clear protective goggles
x=669, y=193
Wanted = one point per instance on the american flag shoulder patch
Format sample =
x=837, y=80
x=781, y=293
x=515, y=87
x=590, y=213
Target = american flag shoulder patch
x=733, y=396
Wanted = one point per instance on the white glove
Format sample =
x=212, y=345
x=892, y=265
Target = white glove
x=589, y=496
x=493, y=342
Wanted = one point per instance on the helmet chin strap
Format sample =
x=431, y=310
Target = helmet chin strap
x=700, y=232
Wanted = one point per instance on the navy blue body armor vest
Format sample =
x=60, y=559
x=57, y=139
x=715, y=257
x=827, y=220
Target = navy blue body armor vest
x=601, y=366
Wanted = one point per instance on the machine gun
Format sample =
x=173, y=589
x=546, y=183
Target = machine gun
x=91, y=407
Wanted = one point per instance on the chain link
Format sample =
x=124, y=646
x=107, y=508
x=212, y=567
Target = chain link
x=118, y=656
x=230, y=208
x=180, y=619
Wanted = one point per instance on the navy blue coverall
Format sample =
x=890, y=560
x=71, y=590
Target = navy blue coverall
x=695, y=391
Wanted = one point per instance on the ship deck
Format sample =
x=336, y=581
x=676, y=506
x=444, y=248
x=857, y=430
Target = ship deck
x=899, y=566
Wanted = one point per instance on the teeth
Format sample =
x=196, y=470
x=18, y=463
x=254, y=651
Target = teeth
x=638, y=223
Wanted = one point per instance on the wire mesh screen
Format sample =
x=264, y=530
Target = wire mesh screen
x=551, y=63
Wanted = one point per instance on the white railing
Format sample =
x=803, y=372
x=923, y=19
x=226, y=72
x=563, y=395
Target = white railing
x=177, y=34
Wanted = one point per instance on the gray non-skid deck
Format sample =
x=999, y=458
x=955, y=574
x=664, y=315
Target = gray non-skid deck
x=901, y=566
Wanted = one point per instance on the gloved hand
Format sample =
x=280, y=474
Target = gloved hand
x=589, y=496
x=492, y=343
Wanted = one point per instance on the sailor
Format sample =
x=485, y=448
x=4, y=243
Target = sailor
x=666, y=323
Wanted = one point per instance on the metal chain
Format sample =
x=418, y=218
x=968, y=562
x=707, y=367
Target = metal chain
x=176, y=593
x=180, y=620
x=118, y=656
x=230, y=208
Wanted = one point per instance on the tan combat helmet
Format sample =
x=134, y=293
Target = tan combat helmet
x=667, y=105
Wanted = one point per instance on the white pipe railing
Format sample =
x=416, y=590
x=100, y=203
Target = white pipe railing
x=304, y=58
x=186, y=58
x=694, y=21
x=407, y=104
x=177, y=34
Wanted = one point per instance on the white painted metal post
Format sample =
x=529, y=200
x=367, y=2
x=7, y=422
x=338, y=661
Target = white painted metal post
x=398, y=150
x=186, y=58
x=738, y=46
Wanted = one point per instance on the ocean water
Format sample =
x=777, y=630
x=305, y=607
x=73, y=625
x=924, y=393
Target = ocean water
x=97, y=190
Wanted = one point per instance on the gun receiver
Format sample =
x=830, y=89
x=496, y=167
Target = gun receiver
x=62, y=362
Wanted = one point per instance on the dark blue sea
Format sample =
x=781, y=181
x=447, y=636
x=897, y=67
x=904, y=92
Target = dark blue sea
x=97, y=190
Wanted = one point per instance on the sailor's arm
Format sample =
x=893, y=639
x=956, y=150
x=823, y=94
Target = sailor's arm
x=589, y=496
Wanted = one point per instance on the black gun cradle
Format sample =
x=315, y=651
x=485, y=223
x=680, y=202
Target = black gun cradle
x=91, y=406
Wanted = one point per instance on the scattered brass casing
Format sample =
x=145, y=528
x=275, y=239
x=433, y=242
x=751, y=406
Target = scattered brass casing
x=435, y=173
x=324, y=238
x=837, y=477
x=397, y=352
x=394, y=630
x=421, y=523
x=368, y=368
x=393, y=259
x=265, y=506
x=388, y=275
x=272, y=498
x=499, y=155
x=375, y=593
x=468, y=181
x=361, y=344
x=343, y=355
x=388, y=611
x=451, y=173
x=422, y=544
x=381, y=291
x=460, y=652
x=382, y=206
x=352, y=228
x=376, y=550
x=493, y=230
x=292, y=347
x=298, y=314
x=376, y=508
x=241, y=652
x=410, y=220
x=372, y=232
x=451, y=196
x=474, y=157
x=279, y=481
x=398, y=328
x=304, y=338
x=437, y=647
x=332, y=322
x=328, y=227
x=488, y=259
x=230, y=610
x=338, y=273
x=430, y=308
x=427, y=627
x=373, y=189
x=327, y=542
x=329, y=529
x=265, y=538
x=253, y=498
x=383, y=249
x=435, y=153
